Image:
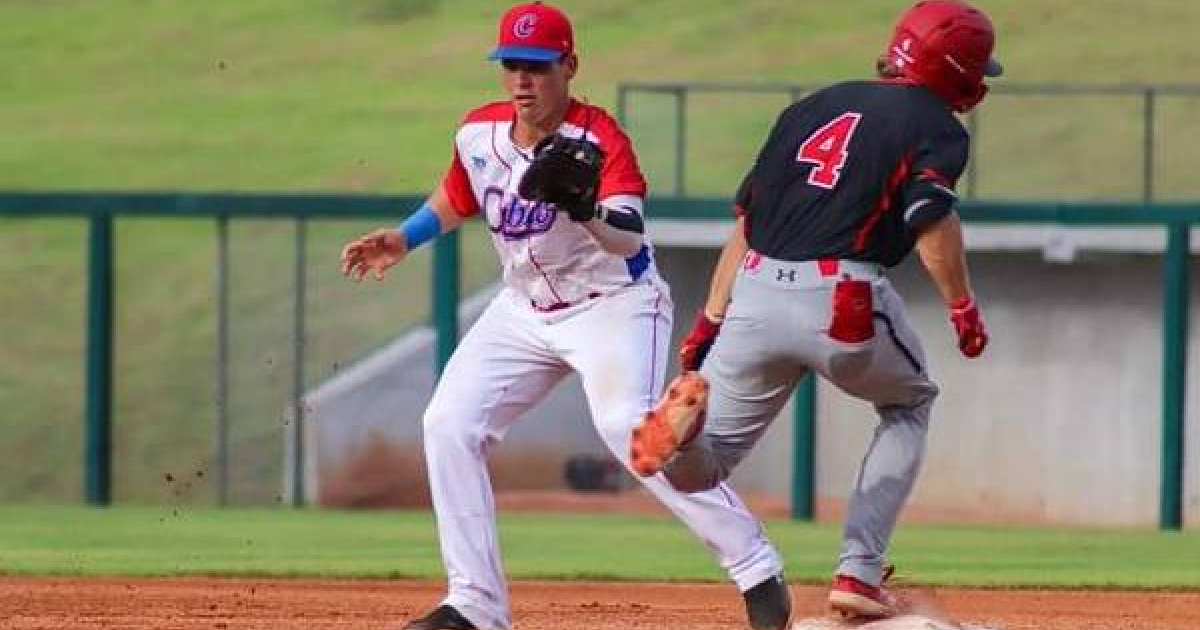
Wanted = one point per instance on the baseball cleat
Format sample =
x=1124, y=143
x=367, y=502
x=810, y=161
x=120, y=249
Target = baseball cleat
x=675, y=421
x=444, y=617
x=853, y=599
x=768, y=604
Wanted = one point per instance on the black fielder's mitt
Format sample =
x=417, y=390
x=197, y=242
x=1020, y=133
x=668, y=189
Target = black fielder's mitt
x=565, y=172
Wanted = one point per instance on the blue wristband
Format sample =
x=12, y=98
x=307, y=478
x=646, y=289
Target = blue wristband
x=421, y=226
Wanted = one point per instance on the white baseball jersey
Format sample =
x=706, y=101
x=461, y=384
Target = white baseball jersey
x=516, y=352
x=545, y=256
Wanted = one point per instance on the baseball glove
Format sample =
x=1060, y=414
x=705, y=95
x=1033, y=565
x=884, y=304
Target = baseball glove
x=565, y=172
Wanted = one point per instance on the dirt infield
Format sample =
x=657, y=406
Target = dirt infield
x=235, y=604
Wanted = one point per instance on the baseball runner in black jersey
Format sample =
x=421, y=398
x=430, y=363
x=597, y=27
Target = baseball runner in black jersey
x=849, y=181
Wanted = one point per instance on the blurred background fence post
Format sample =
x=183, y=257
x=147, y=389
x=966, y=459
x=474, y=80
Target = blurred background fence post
x=447, y=280
x=99, y=366
x=221, y=377
x=1175, y=345
x=299, y=410
x=804, y=445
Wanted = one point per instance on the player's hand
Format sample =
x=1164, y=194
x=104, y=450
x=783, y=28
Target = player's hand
x=373, y=252
x=698, y=342
x=968, y=323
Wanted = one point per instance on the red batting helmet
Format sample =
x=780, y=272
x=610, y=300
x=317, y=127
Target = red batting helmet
x=945, y=45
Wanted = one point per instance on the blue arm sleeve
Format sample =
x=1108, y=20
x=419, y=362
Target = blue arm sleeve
x=421, y=226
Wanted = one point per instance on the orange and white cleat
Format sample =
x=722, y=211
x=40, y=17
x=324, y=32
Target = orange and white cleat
x=676, y=420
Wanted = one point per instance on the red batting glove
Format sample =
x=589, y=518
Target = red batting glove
x=968, y=323
x=698, y=342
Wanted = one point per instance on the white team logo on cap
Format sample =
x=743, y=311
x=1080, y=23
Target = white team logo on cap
x=523, y=27
x=902, y=53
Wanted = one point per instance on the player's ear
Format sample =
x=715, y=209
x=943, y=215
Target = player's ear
x=571, y=62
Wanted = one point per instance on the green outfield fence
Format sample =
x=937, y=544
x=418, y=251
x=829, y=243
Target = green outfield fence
x=100, y=209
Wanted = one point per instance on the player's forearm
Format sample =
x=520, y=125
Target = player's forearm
x=435, y=217
x=449, y=217
x=613, y=240
x=941, y=249
x=721, y=289
x=618, y=227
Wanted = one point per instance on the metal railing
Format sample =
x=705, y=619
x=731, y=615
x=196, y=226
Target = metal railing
x=100, y=208
x=1149, y=96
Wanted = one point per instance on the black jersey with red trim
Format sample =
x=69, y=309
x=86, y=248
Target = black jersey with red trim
x=854, y=171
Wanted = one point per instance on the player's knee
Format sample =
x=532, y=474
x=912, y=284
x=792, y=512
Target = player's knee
x=448, y=428
x=616, y=430
x=923, y=396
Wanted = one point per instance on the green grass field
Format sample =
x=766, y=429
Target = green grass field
x=280, y=542
x=362, y=95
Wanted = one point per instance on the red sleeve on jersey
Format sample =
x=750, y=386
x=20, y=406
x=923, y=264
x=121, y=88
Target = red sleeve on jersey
x=456, y=183
x=458, y=188
x=621, y=174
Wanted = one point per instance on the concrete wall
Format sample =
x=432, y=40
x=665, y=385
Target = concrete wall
x=1060, y=421
x=363, y=429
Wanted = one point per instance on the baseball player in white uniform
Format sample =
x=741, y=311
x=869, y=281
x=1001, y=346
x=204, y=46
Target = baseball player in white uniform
x=581, y=293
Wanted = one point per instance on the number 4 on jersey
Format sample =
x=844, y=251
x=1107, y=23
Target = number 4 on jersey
x=826, y=150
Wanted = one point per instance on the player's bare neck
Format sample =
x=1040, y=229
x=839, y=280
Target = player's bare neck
x=527, y=132
x=526, y=135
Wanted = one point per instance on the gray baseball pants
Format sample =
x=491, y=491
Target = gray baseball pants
x=776, y=330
